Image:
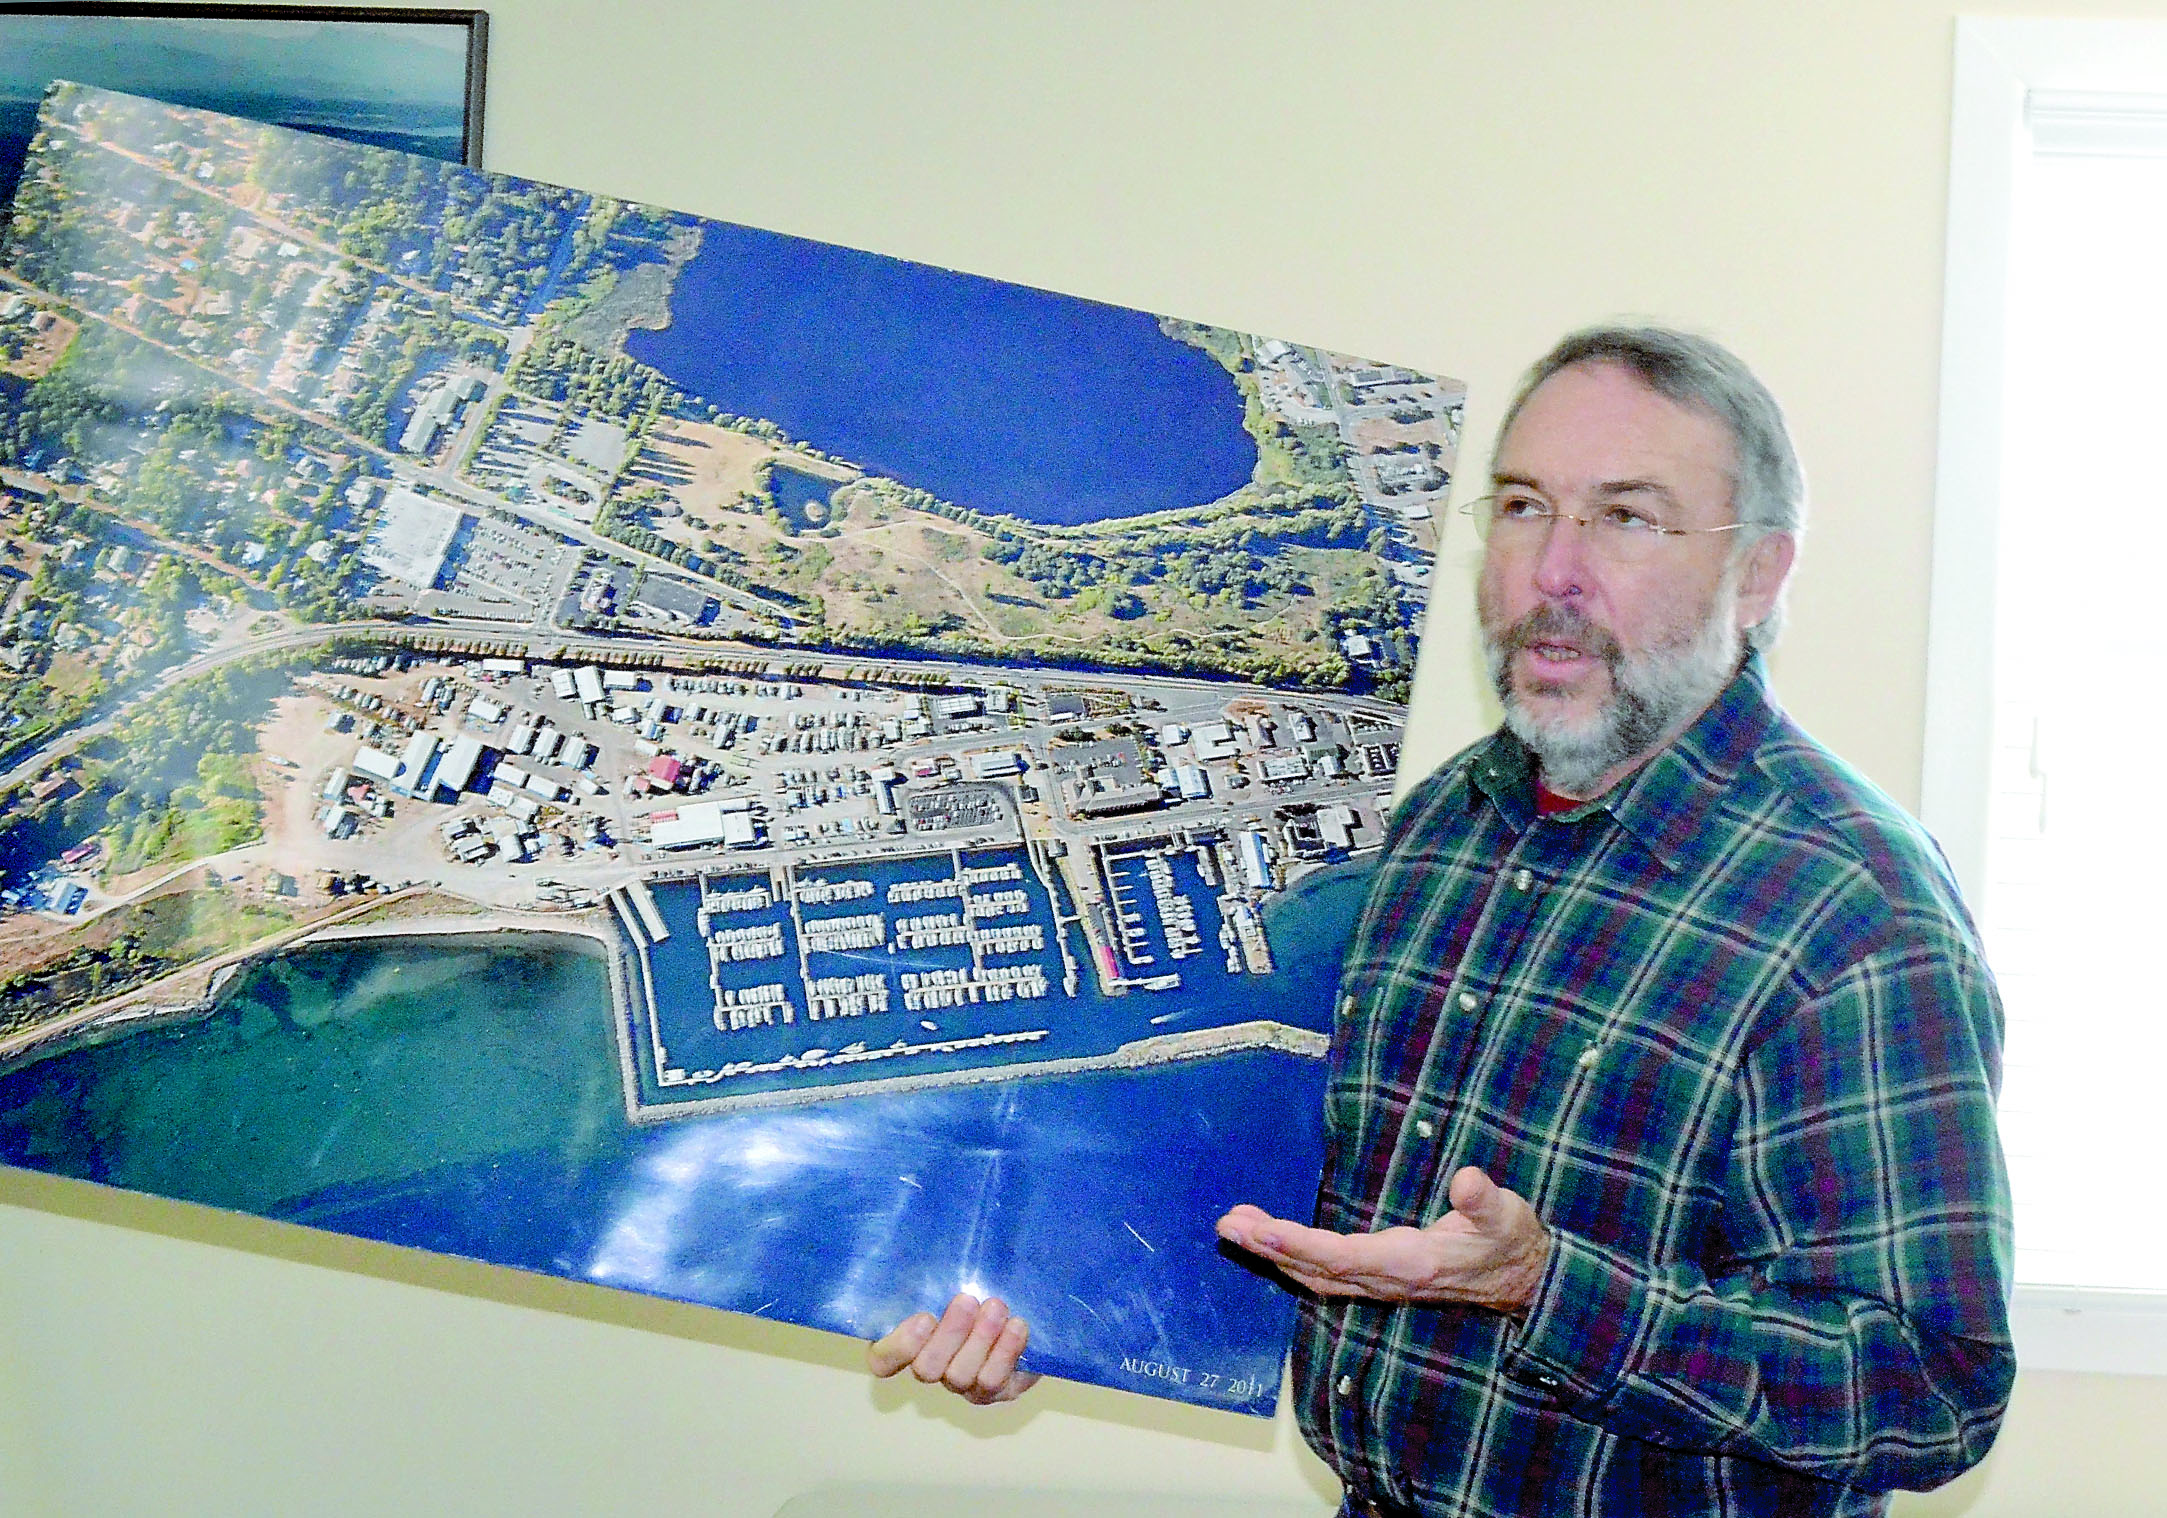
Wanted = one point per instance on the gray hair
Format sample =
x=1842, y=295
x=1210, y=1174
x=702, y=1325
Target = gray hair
x=1768, y=486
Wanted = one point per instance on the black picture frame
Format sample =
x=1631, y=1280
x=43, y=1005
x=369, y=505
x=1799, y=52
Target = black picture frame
x=383, y=75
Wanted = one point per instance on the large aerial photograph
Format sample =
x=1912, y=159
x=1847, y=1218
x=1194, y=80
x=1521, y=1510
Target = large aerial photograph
x=562, y=732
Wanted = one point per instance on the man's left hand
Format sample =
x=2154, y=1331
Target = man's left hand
x=1488, y=1251
x=971, y=1349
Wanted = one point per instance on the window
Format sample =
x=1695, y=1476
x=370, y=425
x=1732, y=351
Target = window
x=2042, y=705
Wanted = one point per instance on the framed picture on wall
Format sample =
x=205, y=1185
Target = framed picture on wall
x=390, y=77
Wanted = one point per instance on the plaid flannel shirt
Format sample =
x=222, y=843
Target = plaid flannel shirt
x=1729, y=1031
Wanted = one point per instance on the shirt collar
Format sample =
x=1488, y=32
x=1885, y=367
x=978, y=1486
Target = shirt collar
x=1666, y=802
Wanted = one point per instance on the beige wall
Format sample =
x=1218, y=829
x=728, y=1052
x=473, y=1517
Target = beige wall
x=1448, y=184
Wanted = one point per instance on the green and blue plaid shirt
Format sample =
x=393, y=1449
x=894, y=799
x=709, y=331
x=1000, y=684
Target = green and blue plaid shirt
x=1729, y=1030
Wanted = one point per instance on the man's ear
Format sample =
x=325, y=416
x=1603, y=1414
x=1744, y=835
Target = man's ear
x=1760, y=581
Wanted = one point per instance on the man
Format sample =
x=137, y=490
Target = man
x=1662, y=1175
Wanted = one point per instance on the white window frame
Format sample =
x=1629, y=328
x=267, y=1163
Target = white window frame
x=2001, y=64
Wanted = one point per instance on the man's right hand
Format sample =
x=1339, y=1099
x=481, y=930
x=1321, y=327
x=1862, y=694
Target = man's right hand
x=971, y=1349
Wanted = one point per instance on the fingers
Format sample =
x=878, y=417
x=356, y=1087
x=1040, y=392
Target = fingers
x=968, y=1360
x=1489, y=1250
x=1253, y=1229
x=932, y=1361
x=972, y=1349
x=884, y=1357
x=996, y=1378
x=1394, y=1264
x=1284, y=1243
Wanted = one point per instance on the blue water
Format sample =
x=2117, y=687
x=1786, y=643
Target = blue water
x=464, y=1098
x=794, y=491
x=994, y=396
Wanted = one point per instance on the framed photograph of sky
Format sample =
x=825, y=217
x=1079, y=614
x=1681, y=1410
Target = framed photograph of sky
x=395, y=78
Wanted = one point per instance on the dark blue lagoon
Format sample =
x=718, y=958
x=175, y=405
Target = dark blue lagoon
x=803, y=499
x=994, y=396
x=464, y=1097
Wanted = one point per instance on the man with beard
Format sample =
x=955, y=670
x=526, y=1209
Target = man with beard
x=1662, y=1174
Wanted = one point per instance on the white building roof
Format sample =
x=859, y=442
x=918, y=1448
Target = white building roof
x=694, y=825
x=411, y=536
x=376, y=764
x=1334, y=824
x=414, y=763
x=701, y=823
x=1213, y=740
x=457, y=767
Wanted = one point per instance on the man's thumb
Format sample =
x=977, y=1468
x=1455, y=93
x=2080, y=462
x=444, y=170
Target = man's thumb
x=1474, y=1195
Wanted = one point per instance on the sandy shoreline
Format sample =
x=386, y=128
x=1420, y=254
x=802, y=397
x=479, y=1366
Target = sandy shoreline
x=488, y=924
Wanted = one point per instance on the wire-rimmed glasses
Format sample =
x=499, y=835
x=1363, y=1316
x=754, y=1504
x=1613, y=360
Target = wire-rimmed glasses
x=1624, y=532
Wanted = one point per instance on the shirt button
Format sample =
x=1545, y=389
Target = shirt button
x=1468, y=1002
x=1346, y=1386
x=1346, y=1006
x=1523, y=880
x=1424, y=1128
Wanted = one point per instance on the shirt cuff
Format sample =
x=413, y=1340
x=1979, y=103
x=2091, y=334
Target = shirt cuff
x=1585, y=1317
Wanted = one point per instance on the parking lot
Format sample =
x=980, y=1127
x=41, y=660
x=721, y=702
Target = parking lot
x=496, y=556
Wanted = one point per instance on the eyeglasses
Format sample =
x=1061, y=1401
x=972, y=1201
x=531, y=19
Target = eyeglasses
x=1515, y=522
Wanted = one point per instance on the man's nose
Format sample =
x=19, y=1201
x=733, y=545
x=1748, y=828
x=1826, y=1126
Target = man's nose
x=1561, y=563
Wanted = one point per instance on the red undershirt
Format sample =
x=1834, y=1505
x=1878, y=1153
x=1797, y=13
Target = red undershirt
x=1548, y=801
